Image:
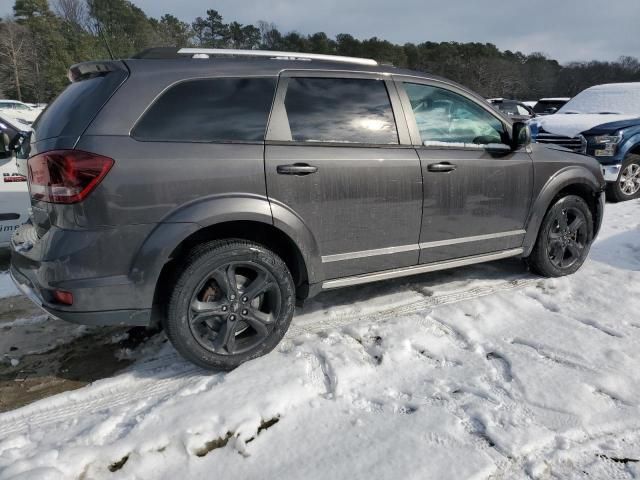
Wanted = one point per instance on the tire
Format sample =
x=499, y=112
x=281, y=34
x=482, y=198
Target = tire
x=562, y=245
x=217, y=325
x=627, y=187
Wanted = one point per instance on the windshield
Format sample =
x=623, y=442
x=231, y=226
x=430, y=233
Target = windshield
x=606, y=99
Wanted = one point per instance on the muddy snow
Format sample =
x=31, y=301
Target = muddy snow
x=482, y=372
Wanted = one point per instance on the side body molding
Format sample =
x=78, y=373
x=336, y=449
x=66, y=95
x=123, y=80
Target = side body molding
x=563, y=178
x=205, y=212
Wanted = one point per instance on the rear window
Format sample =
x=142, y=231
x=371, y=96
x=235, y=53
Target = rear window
x=340, y=110
x=209, y=110
x=72, y=111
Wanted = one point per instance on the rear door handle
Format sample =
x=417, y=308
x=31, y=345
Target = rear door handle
x=441, y=167
x=298, y=169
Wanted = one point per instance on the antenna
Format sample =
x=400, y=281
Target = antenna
x=104, y=39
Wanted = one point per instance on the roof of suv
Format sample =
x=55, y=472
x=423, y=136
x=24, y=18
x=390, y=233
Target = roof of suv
x=232, y=63
x=260, y=66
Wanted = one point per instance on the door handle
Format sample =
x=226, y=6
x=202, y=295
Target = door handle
x=298, y=169
x=441, y=167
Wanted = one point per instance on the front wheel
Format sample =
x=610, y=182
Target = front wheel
x=627, y=186
x=233, y=301
x=564, y=238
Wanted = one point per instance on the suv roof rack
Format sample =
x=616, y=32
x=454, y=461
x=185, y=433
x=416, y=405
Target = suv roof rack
x=207, y=52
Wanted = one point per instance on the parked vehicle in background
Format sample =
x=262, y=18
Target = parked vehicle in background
x=513, y=108
x=604, y=122
x=38, y=106
x=14, y=192
x=19, y=111
x=211, y=190
x=549, y=106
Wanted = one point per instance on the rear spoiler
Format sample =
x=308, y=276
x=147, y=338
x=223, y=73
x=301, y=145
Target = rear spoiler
x=84, y=70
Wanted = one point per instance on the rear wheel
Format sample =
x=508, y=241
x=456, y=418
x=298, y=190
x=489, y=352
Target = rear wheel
x=564, y=238
x=627, y=187
x=233, y=301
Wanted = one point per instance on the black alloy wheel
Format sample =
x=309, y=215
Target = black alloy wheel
x=568, y=237
x=232, y=300
x=234, y=308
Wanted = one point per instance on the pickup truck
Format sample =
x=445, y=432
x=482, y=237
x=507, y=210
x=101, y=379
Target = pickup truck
x=604, y=122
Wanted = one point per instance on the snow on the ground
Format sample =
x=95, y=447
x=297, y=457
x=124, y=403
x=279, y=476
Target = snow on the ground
x=485, y=372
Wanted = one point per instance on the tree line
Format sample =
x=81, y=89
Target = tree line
x=42, y=39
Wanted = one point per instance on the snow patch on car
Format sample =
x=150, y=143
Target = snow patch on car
x=572, y=125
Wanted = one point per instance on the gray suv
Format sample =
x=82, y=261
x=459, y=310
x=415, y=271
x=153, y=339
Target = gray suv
x=209, y=191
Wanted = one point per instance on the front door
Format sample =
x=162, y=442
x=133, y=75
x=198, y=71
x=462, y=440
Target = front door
x=341, y=161
x=477, y=191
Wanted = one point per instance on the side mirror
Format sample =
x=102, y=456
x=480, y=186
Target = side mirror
x=520, y=136
x=551, y=110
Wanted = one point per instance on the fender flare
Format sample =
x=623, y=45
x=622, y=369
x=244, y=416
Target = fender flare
x=205, y=212
x=628, y=145
x=572, y=175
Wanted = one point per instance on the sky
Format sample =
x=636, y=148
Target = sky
x=564, y=29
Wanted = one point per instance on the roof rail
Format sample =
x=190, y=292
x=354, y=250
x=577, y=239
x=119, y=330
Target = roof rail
x=206, y=52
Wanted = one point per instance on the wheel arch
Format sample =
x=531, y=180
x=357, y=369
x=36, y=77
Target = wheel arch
x=568, y=181
x=259, y=232
x=631, y=146
x=247, y=217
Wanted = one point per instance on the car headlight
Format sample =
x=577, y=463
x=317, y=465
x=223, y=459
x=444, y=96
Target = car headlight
x=607, y=139
x=606, y=145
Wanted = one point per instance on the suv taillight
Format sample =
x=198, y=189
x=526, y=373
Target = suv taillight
x=66, y=176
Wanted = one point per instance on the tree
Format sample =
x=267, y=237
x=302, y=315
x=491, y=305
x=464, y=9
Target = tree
x=210, y=31
x=243, y=36
x=16, y=52
x=270, y=37
x=126, y=28
x=51, y=56
x=39, y=45
x=72, y=11
x=173, y=32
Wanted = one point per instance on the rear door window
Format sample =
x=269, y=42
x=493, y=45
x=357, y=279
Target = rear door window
x=340, y=110
x=209, y=110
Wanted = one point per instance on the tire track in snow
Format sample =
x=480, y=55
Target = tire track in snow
x=411, y=307
x=176, y=374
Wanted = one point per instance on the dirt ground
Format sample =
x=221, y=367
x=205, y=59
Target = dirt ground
x=40, y=356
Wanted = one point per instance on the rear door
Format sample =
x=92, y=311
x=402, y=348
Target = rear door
x=338, y=156
x=477, y=191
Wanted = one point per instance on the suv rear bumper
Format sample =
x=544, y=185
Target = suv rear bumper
x=71, y=260
x=105, y=318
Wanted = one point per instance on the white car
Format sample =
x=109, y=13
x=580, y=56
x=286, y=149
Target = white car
x=14, y=199
x=14, y=189
x=19, y=111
